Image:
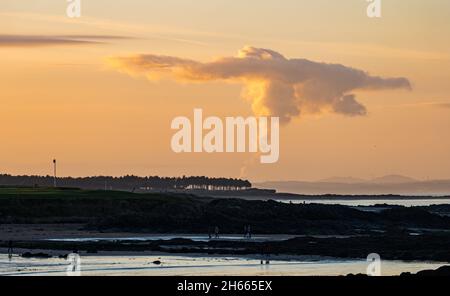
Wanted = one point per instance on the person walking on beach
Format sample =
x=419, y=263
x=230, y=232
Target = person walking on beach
x=10, y=249
x=247, y=232
x=216, y=231
x=265, y=255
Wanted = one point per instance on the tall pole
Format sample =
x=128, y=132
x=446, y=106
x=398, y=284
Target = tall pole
x=54, y=173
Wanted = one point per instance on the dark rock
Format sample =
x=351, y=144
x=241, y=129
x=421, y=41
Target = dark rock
x=442, y=271
x=36, y=255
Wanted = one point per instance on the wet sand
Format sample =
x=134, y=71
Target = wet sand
x=140, y=263
x=51, y=231
x=186, y=265
x=76, y=233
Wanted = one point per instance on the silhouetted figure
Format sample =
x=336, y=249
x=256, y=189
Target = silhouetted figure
x=209, y=233
x=10, y=249
x=247, y=232
x=216, y=232
x=265, y=254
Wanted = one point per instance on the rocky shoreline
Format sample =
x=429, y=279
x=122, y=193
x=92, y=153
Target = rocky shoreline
x=405, y=247
x=31, y=219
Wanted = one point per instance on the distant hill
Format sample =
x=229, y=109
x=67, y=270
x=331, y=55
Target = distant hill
x=393, y=179
x=348, y=180
x=389, y=179
x=392, y=184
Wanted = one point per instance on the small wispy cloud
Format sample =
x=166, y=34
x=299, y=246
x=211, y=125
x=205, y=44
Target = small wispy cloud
x=423, y=105
x=150, y=31
x=443, y=105
x=54, y=40
x=436, y=104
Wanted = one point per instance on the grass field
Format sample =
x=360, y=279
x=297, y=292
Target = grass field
x=75, y=193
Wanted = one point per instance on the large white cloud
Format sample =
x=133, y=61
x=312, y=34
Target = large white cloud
x=275, y=85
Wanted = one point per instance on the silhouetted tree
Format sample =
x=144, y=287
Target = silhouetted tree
x=129, y=182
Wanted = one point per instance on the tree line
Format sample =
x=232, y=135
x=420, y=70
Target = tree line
x=130, y=182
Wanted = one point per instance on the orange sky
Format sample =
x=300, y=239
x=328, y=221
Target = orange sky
x=62, y=100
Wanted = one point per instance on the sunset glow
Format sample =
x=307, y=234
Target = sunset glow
x=99, y=92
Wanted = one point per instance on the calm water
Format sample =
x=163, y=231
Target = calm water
x=193, y=237
x=200, y=265
x=354, y=203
